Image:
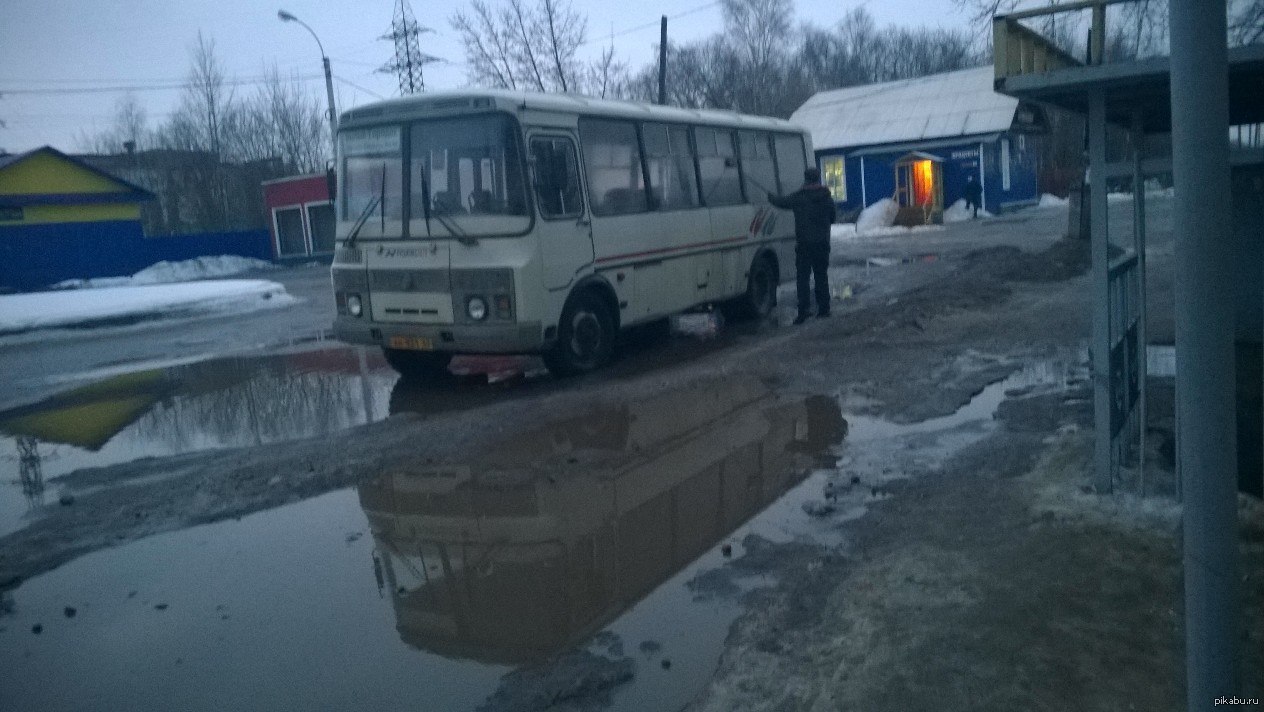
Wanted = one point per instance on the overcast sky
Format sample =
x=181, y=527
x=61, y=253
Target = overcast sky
x=68, y=45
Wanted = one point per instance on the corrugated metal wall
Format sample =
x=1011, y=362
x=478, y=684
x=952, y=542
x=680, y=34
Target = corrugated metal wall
x=35, y=256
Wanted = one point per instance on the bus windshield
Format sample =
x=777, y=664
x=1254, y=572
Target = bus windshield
x=373, y=173
x=468, y=172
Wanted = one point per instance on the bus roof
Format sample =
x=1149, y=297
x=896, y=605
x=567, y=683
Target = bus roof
x=460, y=101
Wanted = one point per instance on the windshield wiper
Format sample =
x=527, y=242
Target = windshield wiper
x=444, y=220
x=461, y=235
x=425, y=199
x=364, y=217
x=380, y=200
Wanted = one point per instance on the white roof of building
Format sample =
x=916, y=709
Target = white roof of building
x=960, y=103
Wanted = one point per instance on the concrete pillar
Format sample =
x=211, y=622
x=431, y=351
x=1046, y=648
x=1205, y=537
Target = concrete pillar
x=1204, y=348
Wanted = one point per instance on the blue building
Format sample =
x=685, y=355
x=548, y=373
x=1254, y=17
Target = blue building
x=953, y=120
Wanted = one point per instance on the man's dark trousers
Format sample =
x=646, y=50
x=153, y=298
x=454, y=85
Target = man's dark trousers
x=811, y=259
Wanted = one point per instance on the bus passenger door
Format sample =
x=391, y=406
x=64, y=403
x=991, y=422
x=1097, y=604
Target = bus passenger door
x=564, y=228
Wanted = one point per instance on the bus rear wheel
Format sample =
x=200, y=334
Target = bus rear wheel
x=585, y=337
x=418, y=365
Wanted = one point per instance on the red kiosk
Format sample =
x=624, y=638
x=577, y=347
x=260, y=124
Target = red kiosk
x=300, y=216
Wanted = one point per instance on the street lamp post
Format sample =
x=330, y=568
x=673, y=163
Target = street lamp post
x=329, y=79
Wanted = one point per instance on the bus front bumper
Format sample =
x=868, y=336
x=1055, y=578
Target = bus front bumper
x=520, y=337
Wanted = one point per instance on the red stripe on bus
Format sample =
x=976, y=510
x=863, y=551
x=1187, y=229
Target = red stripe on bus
x=758, y=222
x=647, y=253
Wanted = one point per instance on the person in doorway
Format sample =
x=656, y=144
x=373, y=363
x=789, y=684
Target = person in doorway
x=974, y=196
x=814, y=212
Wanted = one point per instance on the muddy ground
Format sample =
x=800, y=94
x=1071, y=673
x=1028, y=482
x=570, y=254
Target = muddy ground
x=981, y=574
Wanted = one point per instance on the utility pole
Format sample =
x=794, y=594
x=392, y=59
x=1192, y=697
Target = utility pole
x=329, y=79
x=662, y=62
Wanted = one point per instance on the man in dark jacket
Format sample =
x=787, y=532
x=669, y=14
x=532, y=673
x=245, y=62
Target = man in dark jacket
x=813, y=208
x=974, y=195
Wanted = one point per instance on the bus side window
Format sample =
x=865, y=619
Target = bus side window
x=790, y=161
x=556, y=177
x=612, y=164
x=670, y=160
x=759, y=175
x=717, y=164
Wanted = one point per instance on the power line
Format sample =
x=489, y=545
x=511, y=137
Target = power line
x=654, y=24
x=149, y=87
x=353, y=85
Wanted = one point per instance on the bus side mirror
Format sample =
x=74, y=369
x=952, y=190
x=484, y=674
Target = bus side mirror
x=331, y=182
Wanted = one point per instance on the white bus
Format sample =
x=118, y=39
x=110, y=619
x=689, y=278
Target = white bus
x=509, y=222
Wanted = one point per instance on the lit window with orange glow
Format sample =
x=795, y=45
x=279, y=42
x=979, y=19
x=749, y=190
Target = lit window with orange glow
x=923, y=182
x=834, y=175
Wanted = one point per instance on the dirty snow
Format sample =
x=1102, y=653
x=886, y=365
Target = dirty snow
x=107, y=305
x=957, y=212
x=880, y=214
x=1049, y=200
x=877, y=220
x=164, y=272
x=845, y=232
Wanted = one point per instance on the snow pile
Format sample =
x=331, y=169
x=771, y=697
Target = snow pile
x=880, y=214
x=166, y=272
x=842, y=231
x=1152, y=191
x=957, y=212
x=1048, y=200
x=877, y=220
x=108, y=306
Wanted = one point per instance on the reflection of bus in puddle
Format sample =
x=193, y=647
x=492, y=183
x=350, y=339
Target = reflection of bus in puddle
x=541, y=542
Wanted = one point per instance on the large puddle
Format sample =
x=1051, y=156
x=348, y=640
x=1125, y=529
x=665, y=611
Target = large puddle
x=427, y=587
x=210, y=405
x=423, y=587
x=235, y=402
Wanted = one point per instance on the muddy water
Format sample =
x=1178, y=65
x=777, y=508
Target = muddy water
x=422, y=588
x=203, y=406
x=235, y=402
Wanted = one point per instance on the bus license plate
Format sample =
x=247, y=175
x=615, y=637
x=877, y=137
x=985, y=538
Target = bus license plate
x=413, y=343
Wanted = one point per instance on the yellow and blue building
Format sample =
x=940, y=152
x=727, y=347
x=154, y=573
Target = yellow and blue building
x=61, y=218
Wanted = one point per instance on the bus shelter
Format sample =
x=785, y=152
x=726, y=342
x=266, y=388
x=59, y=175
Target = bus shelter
x=1197, y=100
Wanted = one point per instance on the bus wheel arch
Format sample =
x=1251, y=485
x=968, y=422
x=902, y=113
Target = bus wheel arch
x=587, y=330
x=762, y=280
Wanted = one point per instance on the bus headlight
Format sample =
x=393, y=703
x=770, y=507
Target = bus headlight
x=476, y=307
x=354, y=306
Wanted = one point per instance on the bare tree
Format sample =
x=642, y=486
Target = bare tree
x=206, y=97
x=758, y=28
x=1246, y=22
x=288, y=121
x=515, y=45
x=607, y=76
x=488, y=47
x=564, y=31
x=129, y=125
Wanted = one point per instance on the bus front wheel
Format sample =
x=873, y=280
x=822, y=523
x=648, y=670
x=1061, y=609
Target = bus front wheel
x=585, y=336
x=418, y=364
